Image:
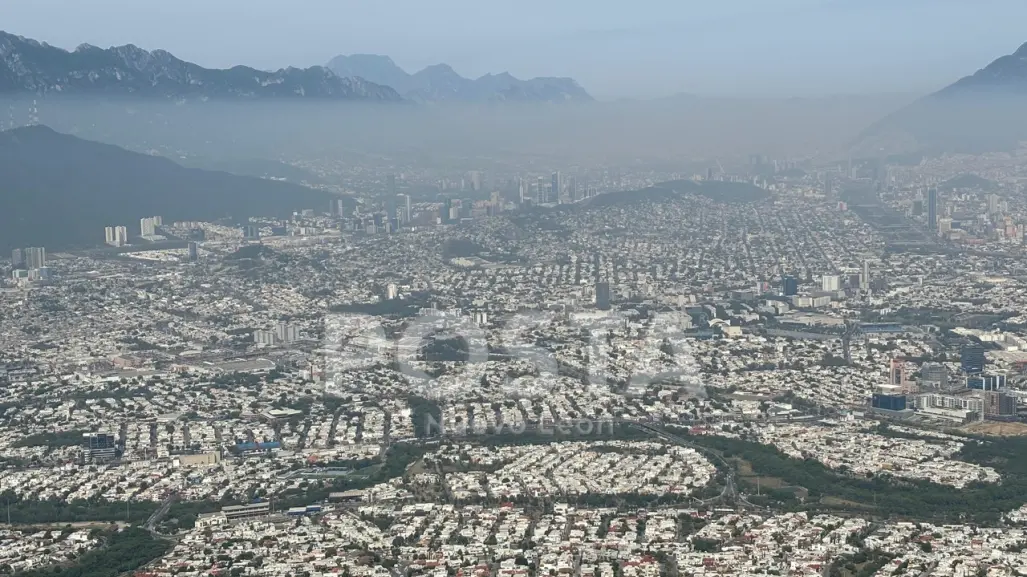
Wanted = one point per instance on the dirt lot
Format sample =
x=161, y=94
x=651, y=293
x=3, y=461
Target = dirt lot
x=996, y=429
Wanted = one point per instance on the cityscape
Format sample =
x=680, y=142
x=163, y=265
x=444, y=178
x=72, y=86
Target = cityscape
x=493, y=363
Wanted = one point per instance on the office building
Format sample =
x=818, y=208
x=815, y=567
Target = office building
x=540, y=191
x=99, y=447
x=390, y=185
x=572, y=188
x=557, y=186
x=831, y=283
x=898, y=372
x=260, y=509
x=864, y=279
x=35, y=257
x=194, y=252
x=408, y=213
x=934, y=375
x=888, y=399
x=971, y=359
x=932, y=208
x=391, y=209
x=603, y=296
x=789, y=286
x=994, y=381
x=917, y=209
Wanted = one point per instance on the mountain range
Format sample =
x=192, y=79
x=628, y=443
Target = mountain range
x=60, y=191
x=984, y=111
x=29, y=66
x=441, y=83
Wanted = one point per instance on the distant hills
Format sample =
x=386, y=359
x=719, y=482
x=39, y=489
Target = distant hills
x=984, y=111
x=441, y=83
x=29, y=66
x=60, y=191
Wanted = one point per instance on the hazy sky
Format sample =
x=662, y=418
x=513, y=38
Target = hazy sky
x=614, y=48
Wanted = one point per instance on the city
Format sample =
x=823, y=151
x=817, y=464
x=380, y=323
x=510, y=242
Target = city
x=455, y=354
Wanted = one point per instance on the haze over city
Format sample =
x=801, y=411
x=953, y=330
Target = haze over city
x=513, y=289
x=649, y=49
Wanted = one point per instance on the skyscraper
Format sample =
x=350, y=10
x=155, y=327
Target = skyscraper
x=390, y=185
x=603, y=296
x=864, y=279
x=35, y=257
x=194, y=252
x=971, y=359
x=557, y=186
x=148, y=226
x=932, y=208
x=116, y=235
x=408, y=213
x=18, y=258
x=540, y=192
x=789, y=286
x=572, y=188
x=993, y=204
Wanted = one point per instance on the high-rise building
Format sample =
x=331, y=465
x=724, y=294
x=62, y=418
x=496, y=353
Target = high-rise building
x=287, y=333
x=934, y=375
x=116, y=235
x=831, y=283
x=337, y=207
x=18, y=258
x=971, y=359
x=898, y=372
x=864, y=279
x=789, y=286
x=572, y=188
x=148, y=226
x=932, y=208
x=540, y=191
x=35, y=257
x=390, y=185
x=522, y=191
x=251, y=231
x=194, y=252
x=603, y=296
x=391, y=209
x=475, y=178
x=557, y=185
x=994, y=206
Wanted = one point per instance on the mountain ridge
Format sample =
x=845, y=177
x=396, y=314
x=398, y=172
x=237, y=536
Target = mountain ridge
x=440, y=82
x=981, y=112
x=60, y=191
x=31, y=66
